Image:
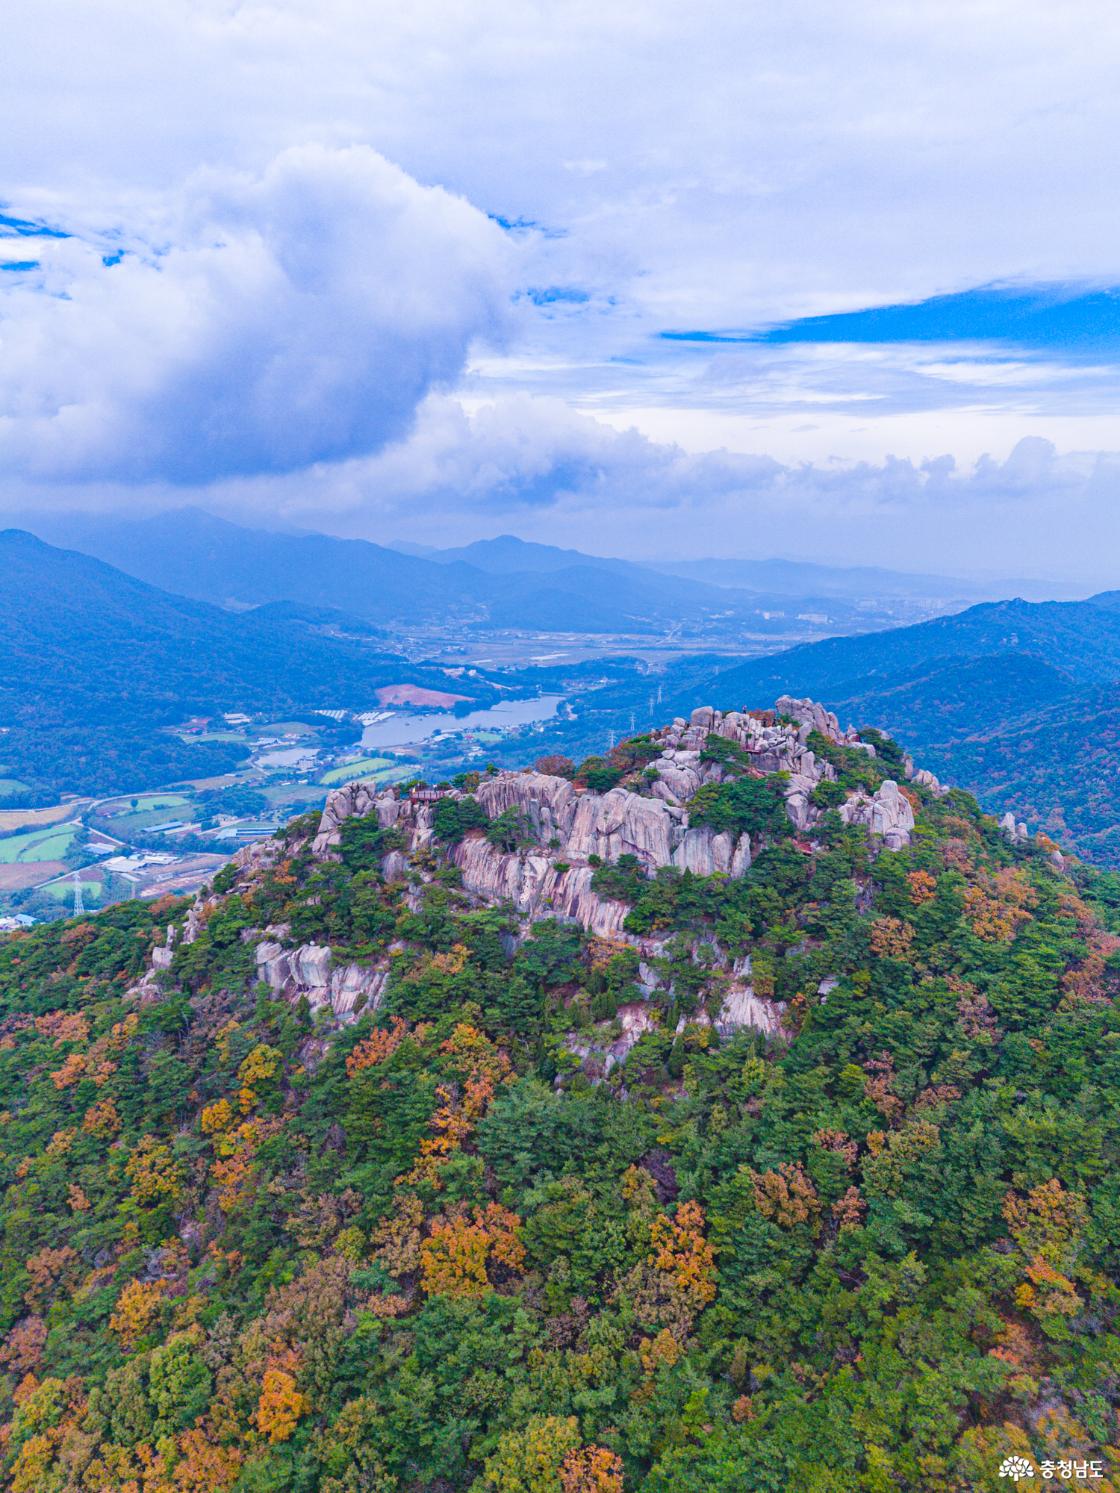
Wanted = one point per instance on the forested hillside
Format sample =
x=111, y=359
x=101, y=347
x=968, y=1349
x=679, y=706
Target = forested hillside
x=724, y=1113
x=97, y=663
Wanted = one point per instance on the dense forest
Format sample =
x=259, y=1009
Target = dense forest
x=245, y=1245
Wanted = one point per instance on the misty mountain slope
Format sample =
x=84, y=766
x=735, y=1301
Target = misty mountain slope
x=95, y=662
x=801, y=578
x=492, y=584
x=193, y=553
x=1079, y=638
x=508, y=555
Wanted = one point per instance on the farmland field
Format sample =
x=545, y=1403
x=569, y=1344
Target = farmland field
x=365, y=767
x=30, y=818
x=18, y=876
x=47, y=844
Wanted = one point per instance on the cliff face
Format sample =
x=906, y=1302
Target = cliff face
x=572, y=830
x=570, y=826
x=568, y=831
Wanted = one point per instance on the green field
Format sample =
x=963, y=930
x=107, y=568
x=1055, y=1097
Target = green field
x=48, y=844
x=380, y=768
x=284, y=794
x=12, y=785
x=151, y=808
x=119, y=808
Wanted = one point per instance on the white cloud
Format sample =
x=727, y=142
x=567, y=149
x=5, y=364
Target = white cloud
x=291, y=299
x=537, y=468
x=263, y=323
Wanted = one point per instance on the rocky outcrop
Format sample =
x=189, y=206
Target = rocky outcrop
x=599, y=1054
x=310, y=971
x=536, y=885
x=742, y=1008
x=923, y=778
x=1017, y=833
x=814, y=717
x=886, y=813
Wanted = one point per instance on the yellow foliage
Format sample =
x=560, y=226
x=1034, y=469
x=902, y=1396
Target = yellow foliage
x=661, y=1351
x=1048, y=1219
x=453, y=963
x=216, y=1117
x=280, y=1406
x=60, y=1142
x=137, y=1310
x=153, y=1172
x=223, y=1038
x=680, y=1249
x=528, y=1461
x=459, y=1249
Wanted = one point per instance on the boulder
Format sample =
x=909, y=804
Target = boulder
x=886, y=813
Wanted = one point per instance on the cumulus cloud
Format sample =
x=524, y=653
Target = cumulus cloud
x=528, y=454
x=262, y=323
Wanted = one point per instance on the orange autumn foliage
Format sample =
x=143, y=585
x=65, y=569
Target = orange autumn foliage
x=591, y=1469
x=679, y=1248
x=923, y=887
x=378, y=1046
x=102, y=1119
x=460, y=1250
x=71, y=1071
x=786, y=1195
x=891, y=938
x=280, y=1406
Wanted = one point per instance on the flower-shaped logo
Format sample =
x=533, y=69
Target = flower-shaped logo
x=1015, y=1468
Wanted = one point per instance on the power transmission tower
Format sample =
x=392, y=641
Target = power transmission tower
x=79, y=904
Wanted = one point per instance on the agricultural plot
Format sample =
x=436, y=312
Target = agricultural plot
x=380, y=770
x=132, y=815
x=49, y=843
x=34, y=818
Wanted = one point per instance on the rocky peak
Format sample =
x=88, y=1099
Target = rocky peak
x=571, y=829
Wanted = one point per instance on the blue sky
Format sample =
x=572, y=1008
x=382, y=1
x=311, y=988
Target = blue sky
x=1068, y=319
x=832, y=282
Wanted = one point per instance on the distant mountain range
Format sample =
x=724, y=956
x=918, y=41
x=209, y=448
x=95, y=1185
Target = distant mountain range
x=503, y=583
x=96, y=663
x=856, y=582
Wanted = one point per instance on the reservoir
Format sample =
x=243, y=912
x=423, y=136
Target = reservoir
x=410, y=728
